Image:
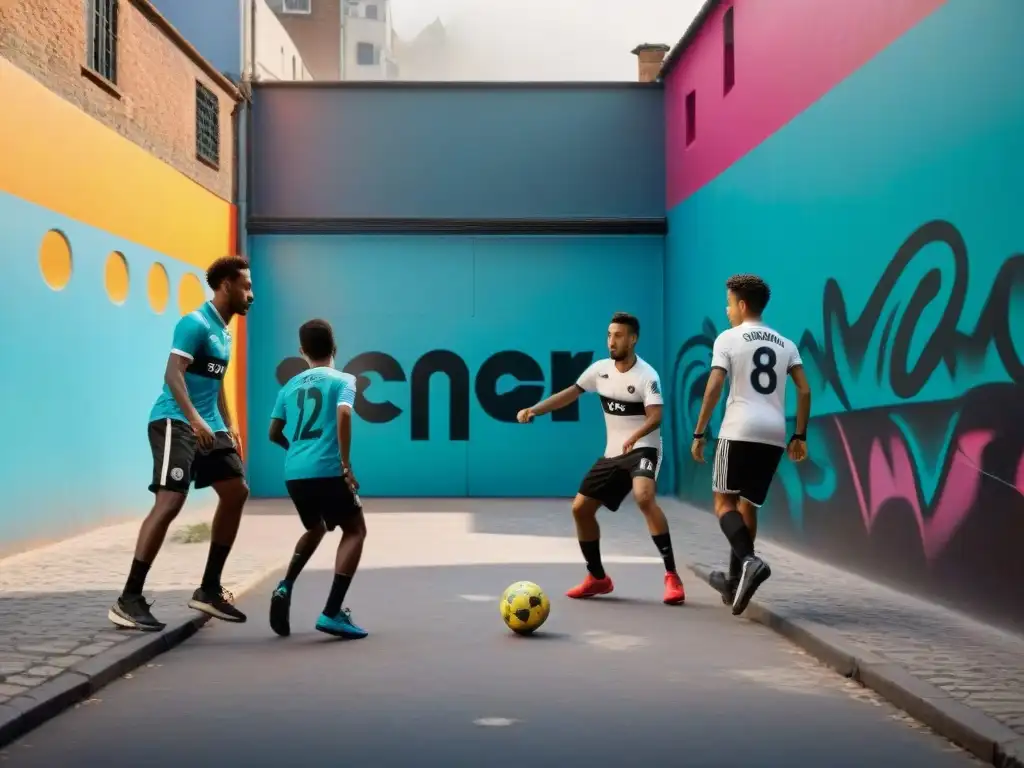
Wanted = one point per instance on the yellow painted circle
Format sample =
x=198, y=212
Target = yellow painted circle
x=158, y=288
x=115, y=277
x=55, y=259
x=190, y=294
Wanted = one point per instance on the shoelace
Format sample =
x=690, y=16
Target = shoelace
x=226, y=596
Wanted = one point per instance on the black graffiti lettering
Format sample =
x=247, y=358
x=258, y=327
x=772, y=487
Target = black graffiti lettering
x=388, y=369
x=566, y=368
x=524, y=368
x=455, y=368
x=895, y=320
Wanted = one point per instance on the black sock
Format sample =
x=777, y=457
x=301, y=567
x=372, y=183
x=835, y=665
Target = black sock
x=298, y=562
x=735, y=566
x=737, y=533
x=663, y=541
x=136, y=578
x=337, y=596
x=215, y=566
x=592, y=554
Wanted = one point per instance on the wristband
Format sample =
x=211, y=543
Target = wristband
x=802, y=438
x=700, y=436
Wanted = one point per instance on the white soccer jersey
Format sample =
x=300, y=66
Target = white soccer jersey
x=624, y=398
x=758, y=361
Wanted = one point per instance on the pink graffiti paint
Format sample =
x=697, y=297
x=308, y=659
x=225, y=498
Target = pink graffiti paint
x=1020, y=476
x=896, y=480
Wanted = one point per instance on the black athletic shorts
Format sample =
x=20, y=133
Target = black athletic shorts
x=323, y=499
x=178, y=462
x=610, y=480
x=745, y=468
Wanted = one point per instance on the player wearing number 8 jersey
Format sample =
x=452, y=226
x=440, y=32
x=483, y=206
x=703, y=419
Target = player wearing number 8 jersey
x=757, y=360
x=312, y=420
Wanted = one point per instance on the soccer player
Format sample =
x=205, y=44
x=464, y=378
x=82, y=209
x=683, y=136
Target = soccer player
x=756, y=359
x=193, y=440
x=314, y=410
x=630, y=393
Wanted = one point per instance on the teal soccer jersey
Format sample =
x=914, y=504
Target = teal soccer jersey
x=308, y=404
x=202, y=338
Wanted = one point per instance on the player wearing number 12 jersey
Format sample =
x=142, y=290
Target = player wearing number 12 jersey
x=312, y=420
x=752, y=439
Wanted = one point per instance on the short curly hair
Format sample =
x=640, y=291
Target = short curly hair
x=316, y=337
x=225, y=268
x=751, y=290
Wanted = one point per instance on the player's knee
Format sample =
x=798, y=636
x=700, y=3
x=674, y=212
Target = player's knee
x=645, y=499
x=168, y=505
x=355, y=527
x=582, y=507
x=724, y=503
x=235, y=493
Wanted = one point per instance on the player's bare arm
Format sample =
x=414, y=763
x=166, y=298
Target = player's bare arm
x=276, y=434
x=174, y=376
x=798, y=445
x=651, y=423
x=712, y=394
x=345, y=445
x=559, y=400
x=225, y=412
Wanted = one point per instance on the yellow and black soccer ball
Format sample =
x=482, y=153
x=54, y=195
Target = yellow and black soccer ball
x=524, y=607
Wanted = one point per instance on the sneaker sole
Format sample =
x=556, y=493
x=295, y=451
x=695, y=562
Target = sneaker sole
x=279, y=621
x=743, y=599
x=588, y=595
x=675, y=600
x=123, y=622
x=340, y=633
x=209, y=610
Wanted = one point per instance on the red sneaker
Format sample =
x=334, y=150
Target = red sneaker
x=674, y=592
x=591, y=587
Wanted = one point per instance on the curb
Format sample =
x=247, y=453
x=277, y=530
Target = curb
x=29, y=710
x=983, y=736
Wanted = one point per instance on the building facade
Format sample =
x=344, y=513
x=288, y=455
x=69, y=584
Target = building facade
x=241, y=38
x=342, y=39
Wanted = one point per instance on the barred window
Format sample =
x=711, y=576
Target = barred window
x=207, y=126
x=103, y=38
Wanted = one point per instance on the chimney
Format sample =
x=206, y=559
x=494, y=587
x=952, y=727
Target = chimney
x=650, y=56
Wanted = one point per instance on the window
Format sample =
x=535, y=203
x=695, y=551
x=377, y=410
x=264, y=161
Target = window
x=371, y=11
x=729, y=51
x=297, y=6
x=103, y=38
x=691, y=117
x=207, y=126
x=366, y=54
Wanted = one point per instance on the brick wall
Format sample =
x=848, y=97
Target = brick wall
x=154, y=101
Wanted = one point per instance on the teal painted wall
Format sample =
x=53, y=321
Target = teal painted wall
x=887, y=219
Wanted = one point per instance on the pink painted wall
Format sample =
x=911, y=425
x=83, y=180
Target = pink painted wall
x=789, y=53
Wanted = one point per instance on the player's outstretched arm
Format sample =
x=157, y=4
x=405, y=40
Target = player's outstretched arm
x=557, y=401
x=798, y=445
x=712, y=394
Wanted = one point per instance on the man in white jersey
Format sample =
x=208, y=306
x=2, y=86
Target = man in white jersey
x=757, y=360
x=630, y=393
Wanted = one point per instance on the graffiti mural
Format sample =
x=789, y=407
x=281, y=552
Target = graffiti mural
x=916, y=468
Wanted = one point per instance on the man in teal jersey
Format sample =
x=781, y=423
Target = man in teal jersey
x=193, y=441
x=312, y=420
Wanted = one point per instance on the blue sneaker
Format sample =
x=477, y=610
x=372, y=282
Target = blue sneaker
x=280, y=608
x=340, y=626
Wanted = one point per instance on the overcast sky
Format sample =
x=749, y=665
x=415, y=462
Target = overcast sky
x=551, y=39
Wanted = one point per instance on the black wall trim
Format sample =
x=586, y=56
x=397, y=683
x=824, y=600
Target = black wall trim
x=264, y=225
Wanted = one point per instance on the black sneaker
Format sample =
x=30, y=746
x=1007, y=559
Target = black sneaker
x=132, y=612
x=723, y=585
x=755, y=572
x=280, y=608
x=216, y=603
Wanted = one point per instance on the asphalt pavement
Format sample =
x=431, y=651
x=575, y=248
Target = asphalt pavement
x=441, y=682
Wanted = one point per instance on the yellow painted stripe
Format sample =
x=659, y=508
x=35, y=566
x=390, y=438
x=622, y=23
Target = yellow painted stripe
x=57, y=156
